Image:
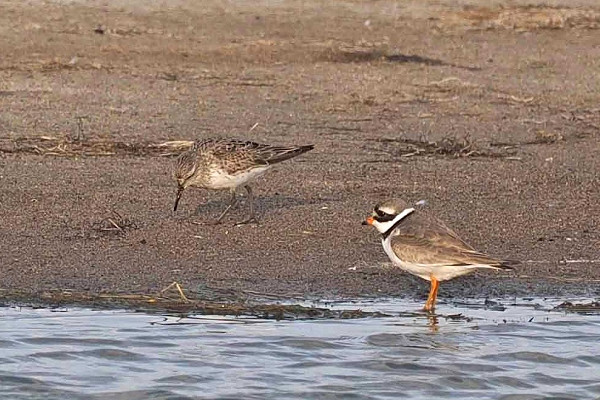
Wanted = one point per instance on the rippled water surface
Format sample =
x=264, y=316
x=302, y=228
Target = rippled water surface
x=519, y=351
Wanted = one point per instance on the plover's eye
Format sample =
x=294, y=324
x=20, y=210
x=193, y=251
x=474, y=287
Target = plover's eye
x=381, y=213
x=382, y=216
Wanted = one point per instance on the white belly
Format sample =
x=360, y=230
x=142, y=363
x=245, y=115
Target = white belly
x=219, y=179
x=441, y=272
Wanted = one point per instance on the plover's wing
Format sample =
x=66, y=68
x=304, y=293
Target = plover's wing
x=440, y=248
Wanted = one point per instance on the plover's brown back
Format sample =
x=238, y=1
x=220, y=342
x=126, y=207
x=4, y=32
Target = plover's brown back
x=424, y=246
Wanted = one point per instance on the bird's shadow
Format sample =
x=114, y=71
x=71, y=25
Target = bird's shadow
x=358, y=56
x=211, y=207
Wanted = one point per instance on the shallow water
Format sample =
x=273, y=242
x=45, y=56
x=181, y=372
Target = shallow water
x=517, y=350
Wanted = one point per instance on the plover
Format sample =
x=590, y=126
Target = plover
x=424, y=246
x=220, y=163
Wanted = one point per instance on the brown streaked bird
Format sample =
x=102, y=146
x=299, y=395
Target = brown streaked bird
x=424, y=246
x=221, y=163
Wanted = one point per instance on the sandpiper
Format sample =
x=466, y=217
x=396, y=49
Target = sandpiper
x=424, y=246
x=221, y=163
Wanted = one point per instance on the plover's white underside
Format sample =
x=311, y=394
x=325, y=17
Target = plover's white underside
x=426, y=247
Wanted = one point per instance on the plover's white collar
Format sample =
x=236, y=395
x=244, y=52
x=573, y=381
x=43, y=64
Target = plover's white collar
x=385, y=228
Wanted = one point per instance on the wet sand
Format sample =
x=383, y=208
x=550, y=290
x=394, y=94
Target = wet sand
x=489, y=114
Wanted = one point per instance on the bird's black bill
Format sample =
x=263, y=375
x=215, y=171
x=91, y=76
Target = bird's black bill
x=364, y=223
x=179, y=193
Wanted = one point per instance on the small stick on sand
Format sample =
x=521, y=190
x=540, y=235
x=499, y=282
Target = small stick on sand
x=179, y=289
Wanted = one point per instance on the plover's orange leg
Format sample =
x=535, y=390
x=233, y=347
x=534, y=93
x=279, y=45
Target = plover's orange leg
x=431, y=299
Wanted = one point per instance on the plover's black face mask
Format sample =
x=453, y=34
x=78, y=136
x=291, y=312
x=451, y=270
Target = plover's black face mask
x=381, y=216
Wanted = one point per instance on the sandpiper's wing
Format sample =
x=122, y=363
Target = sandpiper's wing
x=275, y=154
x=425, y=240
x=238, y=156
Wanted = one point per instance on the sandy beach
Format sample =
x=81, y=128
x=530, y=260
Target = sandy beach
x=489, y=114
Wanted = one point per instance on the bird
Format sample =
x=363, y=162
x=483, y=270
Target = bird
x=227, y=164
x=424, y=246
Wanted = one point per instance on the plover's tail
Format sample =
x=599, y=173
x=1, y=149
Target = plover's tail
x=507, y=265
x=504, y=265
x=481, y=260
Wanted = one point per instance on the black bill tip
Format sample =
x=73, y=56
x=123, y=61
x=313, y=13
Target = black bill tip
x=179, y=193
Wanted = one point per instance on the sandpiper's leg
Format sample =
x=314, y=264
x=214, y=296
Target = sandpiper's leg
x=431, y=299
x=252, y=216
x=232, y=203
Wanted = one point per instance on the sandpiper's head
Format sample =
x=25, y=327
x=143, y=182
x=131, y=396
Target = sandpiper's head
x=387, y=213
x=185, y=168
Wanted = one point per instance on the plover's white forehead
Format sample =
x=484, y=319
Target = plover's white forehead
x=391, y=207
x=387, y=209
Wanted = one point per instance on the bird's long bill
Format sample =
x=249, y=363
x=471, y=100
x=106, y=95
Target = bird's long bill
x=179, y=193
x=368, y=221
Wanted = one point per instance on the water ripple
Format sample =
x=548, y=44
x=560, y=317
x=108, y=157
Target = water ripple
x=530, y=356
x=509, y=353
x=111, y=354
x=159, y=394
x=53, y=341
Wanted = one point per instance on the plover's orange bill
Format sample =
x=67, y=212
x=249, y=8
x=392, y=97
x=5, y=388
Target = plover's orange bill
x=426, y=247
x=227, y=164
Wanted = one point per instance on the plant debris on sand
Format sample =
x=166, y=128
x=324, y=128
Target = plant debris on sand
x=489, y=112
x=67, y=147
x=593, y=307
x=163, y=303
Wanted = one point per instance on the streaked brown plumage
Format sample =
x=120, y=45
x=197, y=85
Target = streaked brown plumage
x=221, y=163
x=424, y=246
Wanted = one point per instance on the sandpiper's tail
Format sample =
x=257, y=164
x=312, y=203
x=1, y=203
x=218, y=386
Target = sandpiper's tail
x=276, y=154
